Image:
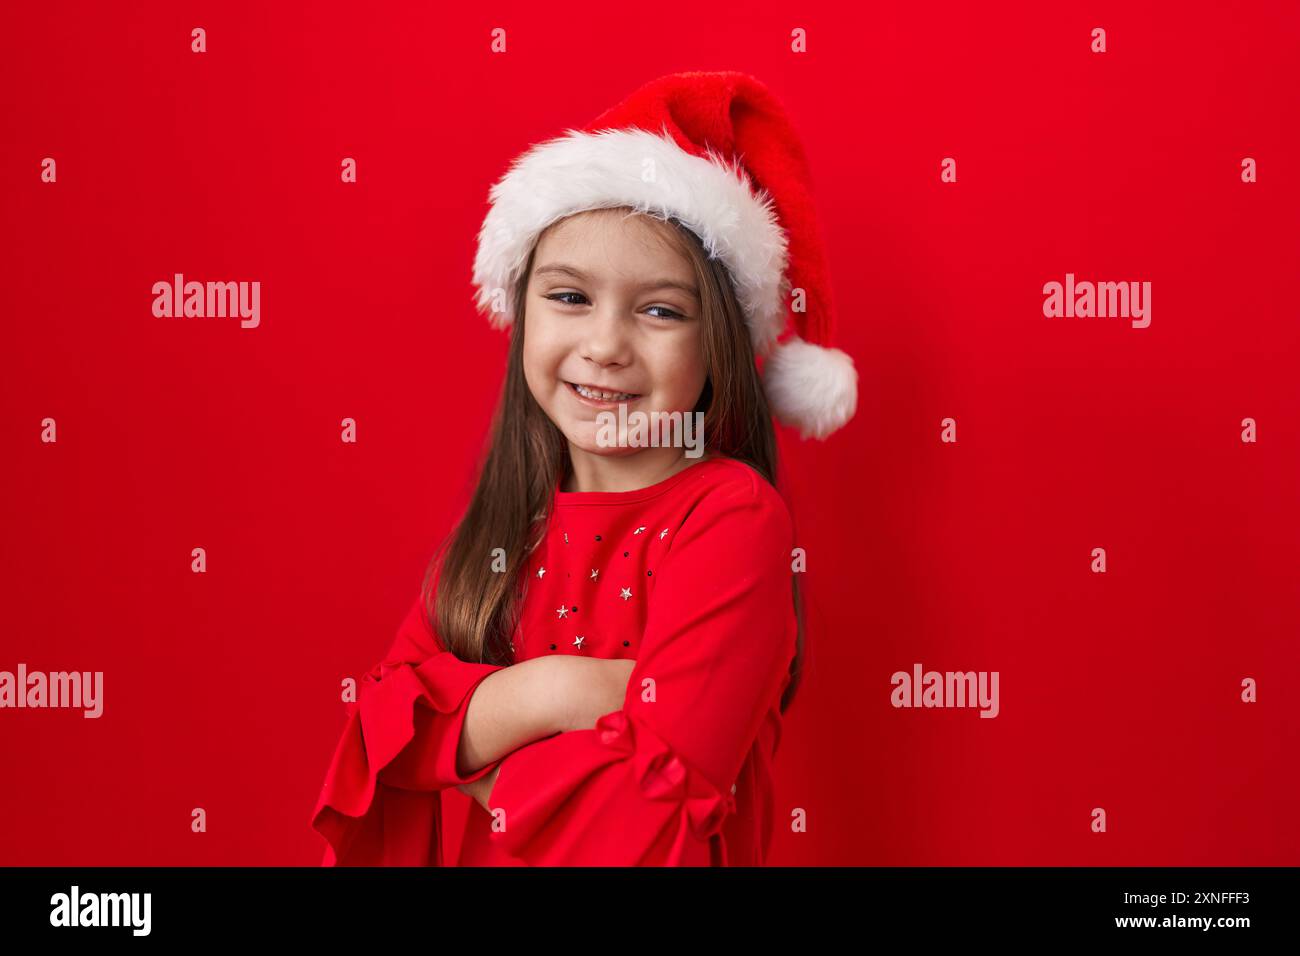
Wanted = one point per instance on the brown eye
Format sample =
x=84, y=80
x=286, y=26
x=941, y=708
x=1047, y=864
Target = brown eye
x=671, y=314
x=559, y=297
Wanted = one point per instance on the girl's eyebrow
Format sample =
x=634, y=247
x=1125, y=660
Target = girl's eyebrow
x=562, y=269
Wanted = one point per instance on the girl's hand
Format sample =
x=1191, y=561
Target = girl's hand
x=588, y=689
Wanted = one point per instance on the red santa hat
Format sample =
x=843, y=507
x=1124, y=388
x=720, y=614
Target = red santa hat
x=717, y=152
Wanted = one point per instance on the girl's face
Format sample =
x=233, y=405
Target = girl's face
x=611, y=306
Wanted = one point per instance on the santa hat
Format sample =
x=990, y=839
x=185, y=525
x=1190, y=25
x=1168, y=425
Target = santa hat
x=717, y=152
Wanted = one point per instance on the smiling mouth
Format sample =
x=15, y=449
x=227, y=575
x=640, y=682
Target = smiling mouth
x=600, y=396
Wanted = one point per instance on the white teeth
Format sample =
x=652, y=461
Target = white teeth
x=603, y=396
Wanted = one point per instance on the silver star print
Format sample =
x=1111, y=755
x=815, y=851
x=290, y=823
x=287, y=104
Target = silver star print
x=662, y=533
x=562, y=611
x=540, y=572
x=577, y=641
x=627, y=593
x=639, y=530
x=594, y=572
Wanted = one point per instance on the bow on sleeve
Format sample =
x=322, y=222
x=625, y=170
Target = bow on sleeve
x=663, y=776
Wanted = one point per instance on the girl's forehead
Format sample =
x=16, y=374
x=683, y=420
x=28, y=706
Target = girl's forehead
x=604, y=240
x=615, y=221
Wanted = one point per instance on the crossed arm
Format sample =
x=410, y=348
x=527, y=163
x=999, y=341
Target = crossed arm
x=593, y=772
x=518, y=705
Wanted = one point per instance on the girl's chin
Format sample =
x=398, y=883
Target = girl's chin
x=587, y=437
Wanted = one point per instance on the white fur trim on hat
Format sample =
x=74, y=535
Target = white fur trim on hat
x=649, y=172
x=810, y=386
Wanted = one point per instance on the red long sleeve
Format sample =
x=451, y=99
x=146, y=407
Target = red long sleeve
x=380, y=803
x=653, y=782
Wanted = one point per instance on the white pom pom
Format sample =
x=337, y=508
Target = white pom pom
x=811, y=387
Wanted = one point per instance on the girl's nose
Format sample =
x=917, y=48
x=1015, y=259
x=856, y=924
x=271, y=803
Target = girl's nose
x=605, y=337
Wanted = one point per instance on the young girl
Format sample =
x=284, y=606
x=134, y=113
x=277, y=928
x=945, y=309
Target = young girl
x=604, y=648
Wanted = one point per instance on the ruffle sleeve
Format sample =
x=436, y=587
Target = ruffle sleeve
x=380, y=802
x=652, y=783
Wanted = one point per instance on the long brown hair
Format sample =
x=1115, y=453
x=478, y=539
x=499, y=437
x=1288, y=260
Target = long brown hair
x=474, y=610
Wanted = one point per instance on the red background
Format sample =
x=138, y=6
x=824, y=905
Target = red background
x=1118, y=690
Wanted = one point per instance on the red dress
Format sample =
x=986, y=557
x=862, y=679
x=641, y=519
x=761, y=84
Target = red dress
x=691, y=577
